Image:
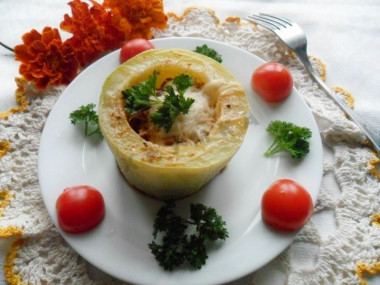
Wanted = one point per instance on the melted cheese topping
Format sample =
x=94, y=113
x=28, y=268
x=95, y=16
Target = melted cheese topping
x=190, y=128
x=197, y=123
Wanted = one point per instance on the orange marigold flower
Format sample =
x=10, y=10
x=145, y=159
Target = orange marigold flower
x=93, y=31
x=45, y=59
x=138, y=17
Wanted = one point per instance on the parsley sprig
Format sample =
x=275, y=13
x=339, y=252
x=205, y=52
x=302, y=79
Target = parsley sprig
x=290, y=138
x=87, y=116
x=207, y=51
x=141, y=97
x=178, y=244
x=173, y=105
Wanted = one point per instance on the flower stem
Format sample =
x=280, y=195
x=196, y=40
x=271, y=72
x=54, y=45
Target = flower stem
x=7, y=47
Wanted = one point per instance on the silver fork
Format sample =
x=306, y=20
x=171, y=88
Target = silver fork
x=294, y=37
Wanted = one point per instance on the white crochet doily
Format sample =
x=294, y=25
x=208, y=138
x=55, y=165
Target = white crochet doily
x=339, y=243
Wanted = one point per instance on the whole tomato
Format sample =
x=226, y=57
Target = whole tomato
x=272, y=81
x=134, y=47
x=80, y=209
x=286, y=205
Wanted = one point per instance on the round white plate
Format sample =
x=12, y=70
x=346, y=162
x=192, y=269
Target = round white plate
x=118, y=245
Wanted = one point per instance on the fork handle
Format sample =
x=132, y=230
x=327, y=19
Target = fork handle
x=370, y=134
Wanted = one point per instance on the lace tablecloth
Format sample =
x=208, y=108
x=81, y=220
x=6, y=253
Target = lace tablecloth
x=339, y=245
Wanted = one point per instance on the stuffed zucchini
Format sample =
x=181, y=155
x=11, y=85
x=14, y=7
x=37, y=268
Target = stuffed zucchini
x=170, y=161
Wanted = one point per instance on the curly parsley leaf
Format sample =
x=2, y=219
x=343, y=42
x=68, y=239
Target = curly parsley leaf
x=290, y=138
x=167, y=220
x=182, y=82
x=169, y=253
x=171, y=108
x=195, y=251
x=87, y=116
x=139, y=97
x=207, y=51
x=208, y=223
x=178, y=244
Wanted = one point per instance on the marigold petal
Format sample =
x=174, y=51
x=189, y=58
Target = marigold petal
x=37, y=73
x=30, y=37
x=66, y=24
x=42, y=83
x=45, y=60
x=37, y=48
x=93, y=29
x=142, y=15
x=49, y=35
x=21, y=53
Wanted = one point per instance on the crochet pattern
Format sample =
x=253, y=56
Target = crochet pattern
x=343, y=236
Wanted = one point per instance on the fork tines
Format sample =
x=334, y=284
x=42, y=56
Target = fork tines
x=269, y=21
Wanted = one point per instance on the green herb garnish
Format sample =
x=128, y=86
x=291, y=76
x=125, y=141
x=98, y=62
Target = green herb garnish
x=182, y=244
x=289, y=138
x=182, y=82
x=173, y=105
x=139, y=97
x=87, y=116
x=205, y=50
x=143, y=96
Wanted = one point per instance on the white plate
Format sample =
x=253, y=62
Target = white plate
x=119, y=245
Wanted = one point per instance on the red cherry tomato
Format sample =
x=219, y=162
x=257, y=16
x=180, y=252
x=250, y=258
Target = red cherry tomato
x=134, y=47
x=272, y=81
x=286, y=205
x=80, y=209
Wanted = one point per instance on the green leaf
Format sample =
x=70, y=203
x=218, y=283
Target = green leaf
x=182, y=82
x=141, y=97
x=87, y=116
x=208, y=223
x=290, y=138
x=195, y=252
x=205, y=50
x=169, y=254
x=178, y=245
x=138, y=97
x=173, y=104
